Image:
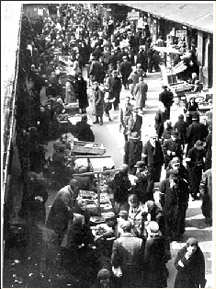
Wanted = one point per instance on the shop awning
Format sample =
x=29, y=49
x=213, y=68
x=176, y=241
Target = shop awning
x=195, y=15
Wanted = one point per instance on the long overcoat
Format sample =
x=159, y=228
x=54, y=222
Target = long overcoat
x=59, y=214
x=98, y=102
x=192, y=275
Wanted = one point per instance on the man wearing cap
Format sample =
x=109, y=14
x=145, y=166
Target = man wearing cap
x=62, y=209
x=196, y=131
x=133, y=123
x=166, y=97
x=153, y=156
x=141, y=182
x=195, y=165
x=127, y=253
x=176, y=164
x=190, y=265
x=132, y=151
x=175, y=195
x=125, y=70
x=172, y=148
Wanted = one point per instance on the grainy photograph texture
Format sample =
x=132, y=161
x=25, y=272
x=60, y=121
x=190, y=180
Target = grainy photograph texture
x=107, y=119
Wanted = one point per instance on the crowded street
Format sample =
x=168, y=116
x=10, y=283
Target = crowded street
x=109, y=179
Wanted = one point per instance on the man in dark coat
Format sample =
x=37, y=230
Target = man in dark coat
x=160, y=118
x=175, y=194
x=153, y=157
x=62, y=209
x=190, y=264
x=121, y=187
x=155, y=258
x=83, y=130
x=181, y=127
x=127, y=253
x=114, y=84
x=195, y=164
x=196, y=131
x=166, y=97
x=125, y=70
x=172, y=148
x=141, y=182
x=96, y=71
x=133, y=151
x=82, y=93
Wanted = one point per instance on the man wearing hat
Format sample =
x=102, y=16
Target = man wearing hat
x=153, y=156
x=175, y=195
x=190, y=265
x=127, y=253
x=125, y=70
x=132, y=151
x=166, y=97
x=172, y=148
x=195, y=165
x=196, y=131
x=62, y=209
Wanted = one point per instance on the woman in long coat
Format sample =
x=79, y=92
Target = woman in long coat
x=82, y=93
x=98, y=102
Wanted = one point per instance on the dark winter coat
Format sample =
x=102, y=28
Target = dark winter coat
x=82, y=93
x=155, y=259
x=84, y=132
x=196, y=131
x=133, y=151
x=192, y=275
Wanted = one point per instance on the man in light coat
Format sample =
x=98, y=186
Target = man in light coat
x=140, y=93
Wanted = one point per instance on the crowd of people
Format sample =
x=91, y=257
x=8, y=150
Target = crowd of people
x=133, y=246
